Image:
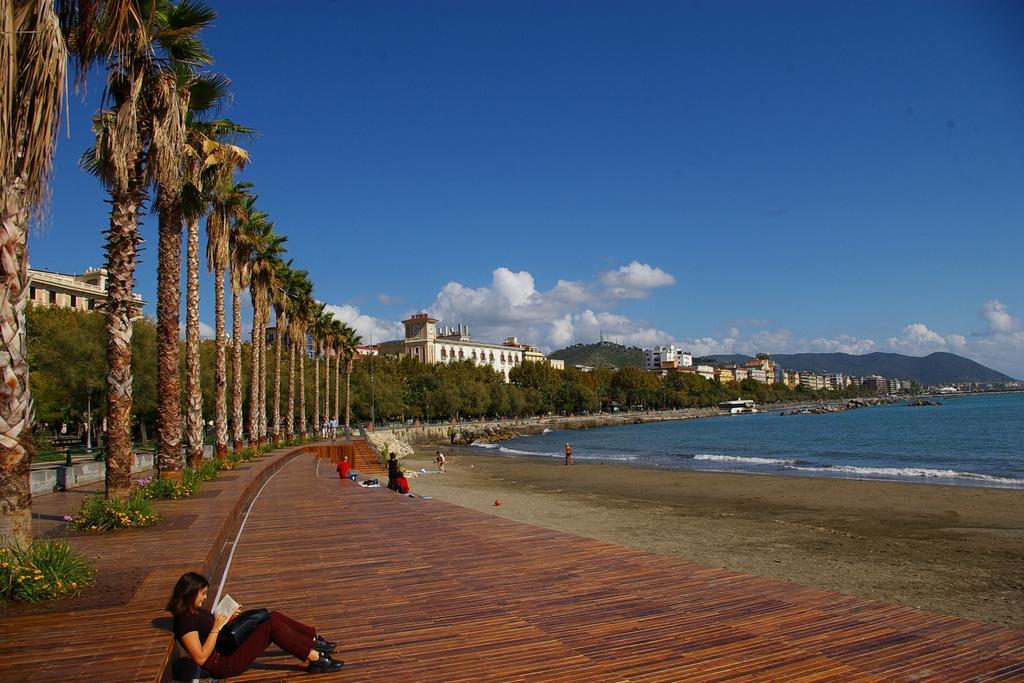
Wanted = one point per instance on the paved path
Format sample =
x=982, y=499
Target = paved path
x=422, y=590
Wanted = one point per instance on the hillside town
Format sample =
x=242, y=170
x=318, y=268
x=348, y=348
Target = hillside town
x=664, y=360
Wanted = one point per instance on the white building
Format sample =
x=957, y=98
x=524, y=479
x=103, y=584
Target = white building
x=427, y=344
x=656, y=358
x=83, y=292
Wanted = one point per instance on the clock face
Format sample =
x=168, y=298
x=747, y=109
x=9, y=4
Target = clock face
x=414, y=329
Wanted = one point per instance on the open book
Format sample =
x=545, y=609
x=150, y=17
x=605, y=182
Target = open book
x=226, y=606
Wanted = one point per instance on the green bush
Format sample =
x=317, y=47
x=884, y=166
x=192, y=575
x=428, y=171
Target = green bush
x=102, y=514
x=187, y=486
x=44, y=571
x=208, y=470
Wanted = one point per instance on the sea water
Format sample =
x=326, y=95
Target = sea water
x=975, y=440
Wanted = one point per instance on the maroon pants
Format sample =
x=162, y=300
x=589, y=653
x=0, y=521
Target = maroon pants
x=294, y=638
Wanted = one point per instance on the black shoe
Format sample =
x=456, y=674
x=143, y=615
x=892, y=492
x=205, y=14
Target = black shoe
x=325, y=665
x=324, y=647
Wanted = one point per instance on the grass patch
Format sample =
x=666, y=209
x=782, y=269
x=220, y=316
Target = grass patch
x=45, y=570
x=102, y=514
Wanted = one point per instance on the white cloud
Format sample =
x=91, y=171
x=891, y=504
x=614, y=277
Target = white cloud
x=569, y=312
x=635, y=280
x=368, y=327
x=998, y=318
x=841, y=344
x=918, y=340
x=205, y=331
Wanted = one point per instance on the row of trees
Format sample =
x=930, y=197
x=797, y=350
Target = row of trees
x=402, y=388
x=157, y=137
x=66, y=356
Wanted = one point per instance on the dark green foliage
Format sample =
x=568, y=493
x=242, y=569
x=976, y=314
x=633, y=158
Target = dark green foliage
x=68, y=363
x=601, y=355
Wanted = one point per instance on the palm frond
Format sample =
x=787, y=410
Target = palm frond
x=33, y=60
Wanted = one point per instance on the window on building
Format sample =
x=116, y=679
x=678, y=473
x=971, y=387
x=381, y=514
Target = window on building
x=74, y=301
x=32, y=293
x=91, y=305
x=53, y=298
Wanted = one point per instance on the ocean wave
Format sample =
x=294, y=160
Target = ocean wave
x=912, y=472
x=750, y=461
x=514, y=451
x=483, y=444
x=547, y=431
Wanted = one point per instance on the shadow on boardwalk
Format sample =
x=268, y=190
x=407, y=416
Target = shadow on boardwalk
x=422, y=590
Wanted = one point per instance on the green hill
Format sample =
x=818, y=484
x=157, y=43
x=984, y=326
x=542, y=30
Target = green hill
x=601, y=355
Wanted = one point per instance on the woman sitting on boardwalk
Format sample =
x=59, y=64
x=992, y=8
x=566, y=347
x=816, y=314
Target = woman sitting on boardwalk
x=196, y=629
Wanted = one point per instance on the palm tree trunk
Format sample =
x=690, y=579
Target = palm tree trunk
x=220, y=371
x=122, y=248
x=275, y=426
x=302, y=384
x=348, y=387
x=168, y=378
x=254, y=375
x=337, y=385
x=15, y=398
x=327, y=385
x=193, y=391
x=291, y=388
x=236, y=379
x=262, y=407
x=316, y=385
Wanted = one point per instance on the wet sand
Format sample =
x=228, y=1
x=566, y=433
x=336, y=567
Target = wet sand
x=952, y=549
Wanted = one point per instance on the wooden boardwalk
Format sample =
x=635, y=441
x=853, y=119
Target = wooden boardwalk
x=422, y=590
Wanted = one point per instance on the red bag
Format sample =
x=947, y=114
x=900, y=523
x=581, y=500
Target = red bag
x=343, y=468
x=403, y=485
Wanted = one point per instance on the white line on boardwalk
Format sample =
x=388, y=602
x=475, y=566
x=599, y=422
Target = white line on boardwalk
x=234, y=544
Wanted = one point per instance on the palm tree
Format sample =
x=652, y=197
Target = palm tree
x=337, y=332
x=247, y=225
x=267, y=250
x=303, y=312
x=279, y=299
x=227, y=202
x=205, y=160
x=139, y=141
x=210, y=159
x=295, y=291
x=348, y=342
x=321, y=318
x=32, y=74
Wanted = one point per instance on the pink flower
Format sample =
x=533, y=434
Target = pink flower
x=68, y=518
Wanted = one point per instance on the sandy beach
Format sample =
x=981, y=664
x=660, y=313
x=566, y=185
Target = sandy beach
x=952, y=549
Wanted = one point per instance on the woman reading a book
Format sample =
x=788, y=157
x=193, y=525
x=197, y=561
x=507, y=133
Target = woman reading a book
x=196, y=629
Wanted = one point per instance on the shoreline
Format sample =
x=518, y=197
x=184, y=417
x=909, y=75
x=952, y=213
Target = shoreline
x=952, y=549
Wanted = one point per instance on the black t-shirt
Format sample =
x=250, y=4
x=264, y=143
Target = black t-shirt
x=201, y=621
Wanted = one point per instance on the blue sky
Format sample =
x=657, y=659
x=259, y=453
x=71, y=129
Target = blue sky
x=733, y=177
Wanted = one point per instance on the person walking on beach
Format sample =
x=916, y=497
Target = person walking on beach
x=440, y=461
x=568, y=455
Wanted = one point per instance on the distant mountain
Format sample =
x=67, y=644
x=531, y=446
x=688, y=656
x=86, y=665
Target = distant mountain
x=935, y=368
x=601, y=355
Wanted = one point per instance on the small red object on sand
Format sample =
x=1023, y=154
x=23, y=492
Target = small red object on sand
x=497, y=502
